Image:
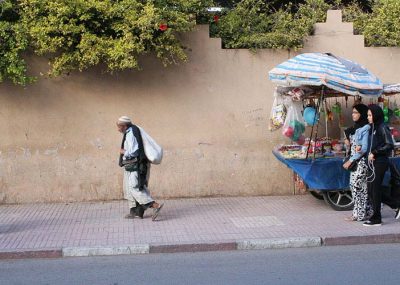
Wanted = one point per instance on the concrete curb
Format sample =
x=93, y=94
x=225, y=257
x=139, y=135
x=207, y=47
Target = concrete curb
x=35, y=253
x=280, y=243
x=354, y=240
x=198, y=247
x=105, y=250
x=256, y=244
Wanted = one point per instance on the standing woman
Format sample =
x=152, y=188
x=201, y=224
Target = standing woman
x=381, y=146
x=358, y=136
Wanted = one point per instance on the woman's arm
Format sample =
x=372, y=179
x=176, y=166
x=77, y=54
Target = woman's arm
x=364, y=135
x=364, y=141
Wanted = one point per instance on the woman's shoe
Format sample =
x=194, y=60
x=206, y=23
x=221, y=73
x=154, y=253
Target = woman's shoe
x=372, y=224
x=397, y=215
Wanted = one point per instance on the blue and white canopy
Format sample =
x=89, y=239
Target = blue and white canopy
x=319, y=69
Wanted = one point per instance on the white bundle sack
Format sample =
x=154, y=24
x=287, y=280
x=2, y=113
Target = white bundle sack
x=153, y=151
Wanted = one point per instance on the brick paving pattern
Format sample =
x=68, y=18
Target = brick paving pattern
x=185, y=221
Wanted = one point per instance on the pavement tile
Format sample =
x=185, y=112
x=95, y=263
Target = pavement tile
x=210, y=223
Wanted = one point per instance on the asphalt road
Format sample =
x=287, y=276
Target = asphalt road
x=366, y=264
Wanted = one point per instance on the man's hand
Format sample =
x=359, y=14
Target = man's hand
x=122, y=151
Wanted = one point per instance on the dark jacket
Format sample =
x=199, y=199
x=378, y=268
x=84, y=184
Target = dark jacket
x=382, y=142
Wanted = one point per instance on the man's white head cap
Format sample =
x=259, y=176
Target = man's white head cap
x=124, y=120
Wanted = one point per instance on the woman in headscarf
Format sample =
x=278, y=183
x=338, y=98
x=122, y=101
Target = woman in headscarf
x=381, y=146
x=357, y=137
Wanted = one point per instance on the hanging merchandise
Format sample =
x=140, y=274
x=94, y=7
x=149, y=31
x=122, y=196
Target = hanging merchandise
x=278, y=113
x=380, y=102
x=329, y=118
x=294, y=126
x=357, y=100
x=310, y=115
x=386, y=114
x=337, y=109
x=297, y=94
x=329, y=115
x=396, y=114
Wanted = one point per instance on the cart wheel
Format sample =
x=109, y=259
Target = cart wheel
x=317, y=194
x=339, y=200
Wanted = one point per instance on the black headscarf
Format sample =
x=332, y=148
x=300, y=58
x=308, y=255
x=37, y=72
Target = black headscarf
x=361, y=122
x=377, y=115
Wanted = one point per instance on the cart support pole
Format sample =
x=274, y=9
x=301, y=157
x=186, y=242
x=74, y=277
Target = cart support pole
x=317, y=110
x=317, y=123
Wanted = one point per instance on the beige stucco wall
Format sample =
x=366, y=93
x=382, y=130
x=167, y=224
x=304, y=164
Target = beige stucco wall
x=58, y=140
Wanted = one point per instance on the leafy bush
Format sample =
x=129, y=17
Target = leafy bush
x=382, y=27
x=256, y=24
x=13, y=42
x=266, y=24
x=78, y=34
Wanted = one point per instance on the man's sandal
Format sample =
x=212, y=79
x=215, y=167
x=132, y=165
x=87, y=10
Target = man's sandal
x=156, y=211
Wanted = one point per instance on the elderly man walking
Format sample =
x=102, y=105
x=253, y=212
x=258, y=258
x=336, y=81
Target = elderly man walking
x=137, y=170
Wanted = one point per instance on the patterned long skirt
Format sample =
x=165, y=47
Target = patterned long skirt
x=358, y=184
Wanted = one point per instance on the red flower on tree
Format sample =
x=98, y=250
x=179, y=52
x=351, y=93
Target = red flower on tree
x=163, y=27
x=216, y=18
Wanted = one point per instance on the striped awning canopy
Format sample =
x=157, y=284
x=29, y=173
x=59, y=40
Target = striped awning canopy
x=325, y=69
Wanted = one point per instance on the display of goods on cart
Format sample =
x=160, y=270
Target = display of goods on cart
x=323, y=147
x=291, y=151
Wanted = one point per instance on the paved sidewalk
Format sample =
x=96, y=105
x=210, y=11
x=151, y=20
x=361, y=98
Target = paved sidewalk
x=81, y=229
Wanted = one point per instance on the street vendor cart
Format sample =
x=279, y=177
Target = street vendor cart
x=307, y=87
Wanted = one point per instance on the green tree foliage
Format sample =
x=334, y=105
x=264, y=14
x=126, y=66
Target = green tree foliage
x=257, y=24
x=280, y=24
x=382, y=27
x=354, y=13
x=13, y=42
x=78, y=34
